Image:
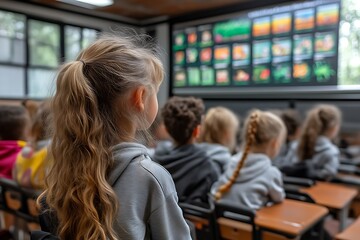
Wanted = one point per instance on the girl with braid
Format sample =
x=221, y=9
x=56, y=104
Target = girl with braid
x=321, y=155
x=252, y=181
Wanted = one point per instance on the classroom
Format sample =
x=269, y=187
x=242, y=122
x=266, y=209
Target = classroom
x=179, y=120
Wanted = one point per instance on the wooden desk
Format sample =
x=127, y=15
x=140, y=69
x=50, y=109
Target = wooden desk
x=290, y=218
x=352, y=181
x=333, y=196
x=351, y=233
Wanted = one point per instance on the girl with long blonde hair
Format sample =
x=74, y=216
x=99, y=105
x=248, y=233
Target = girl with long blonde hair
x=252, y=180
x=321, y=126
x=102, y=184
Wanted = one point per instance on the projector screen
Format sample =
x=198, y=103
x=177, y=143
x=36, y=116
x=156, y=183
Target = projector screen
x=297, y=47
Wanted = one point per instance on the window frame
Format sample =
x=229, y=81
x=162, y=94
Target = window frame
x=27, y=66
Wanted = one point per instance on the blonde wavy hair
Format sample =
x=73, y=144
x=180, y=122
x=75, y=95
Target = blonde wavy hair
x=92, y=112
x=220, y=126
x=318, y=121
x=260, y=127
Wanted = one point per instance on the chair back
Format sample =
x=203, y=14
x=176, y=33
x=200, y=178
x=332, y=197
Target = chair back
x=303, y=182
x=294, y=193
x=236, y=222
x=18, y=201
x=203, y=219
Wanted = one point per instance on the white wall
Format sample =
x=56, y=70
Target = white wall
x=62, y=16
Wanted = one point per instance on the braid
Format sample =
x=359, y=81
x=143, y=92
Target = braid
x=250, y=139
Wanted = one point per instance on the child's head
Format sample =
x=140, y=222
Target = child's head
x=31, y=106
x=292, y=121
x=220, y=126
x=322, y=120
x=102, y=99
x=264, y=132
x=182, y=117
x=40, y=123
x=14, y=123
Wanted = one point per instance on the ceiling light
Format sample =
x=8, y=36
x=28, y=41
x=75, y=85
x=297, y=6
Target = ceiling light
x=89, y=3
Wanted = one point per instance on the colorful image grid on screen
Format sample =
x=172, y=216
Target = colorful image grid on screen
x=289, y=45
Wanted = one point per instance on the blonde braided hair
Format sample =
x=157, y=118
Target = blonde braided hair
x=251, y=132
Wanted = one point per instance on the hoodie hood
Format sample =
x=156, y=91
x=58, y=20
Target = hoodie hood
x=123, y=154
x=215, y=150
x=324, y=144
x=192, y=171
x=8, y=153
x=30, y=150
x=163, y=147
x=255, y=165
x=178, y=161
x=219, y=154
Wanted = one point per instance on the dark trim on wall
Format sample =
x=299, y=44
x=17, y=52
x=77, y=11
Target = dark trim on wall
x=293, y=101
x=195, y=15
x=81, y=13
x=49, y=20
x=239, y=7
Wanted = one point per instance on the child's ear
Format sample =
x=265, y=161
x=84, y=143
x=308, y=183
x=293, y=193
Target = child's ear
x=138, y=98
x=196, y=132
x=274, y=143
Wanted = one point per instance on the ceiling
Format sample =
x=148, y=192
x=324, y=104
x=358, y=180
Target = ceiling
x=143, y=10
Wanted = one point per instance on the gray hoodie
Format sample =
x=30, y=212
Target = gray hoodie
x=148, y=206
x=287, y=155
x=217, y=153
x=258, y=182
x=325, y=162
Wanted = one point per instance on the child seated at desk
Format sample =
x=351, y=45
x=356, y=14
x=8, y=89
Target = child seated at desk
x=31, y=163
x=288, y=152
x=14, y=125
x=218, y=135
x=315, y=147
x=253, y=181
x=189, y=164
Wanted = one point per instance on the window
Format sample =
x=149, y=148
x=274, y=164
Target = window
x=12, y=37
x=72, y=42
x=76, y=39
x=44, y=44
x=89, y=36
x=12, y=81
x=44, y=57
x=31, y=72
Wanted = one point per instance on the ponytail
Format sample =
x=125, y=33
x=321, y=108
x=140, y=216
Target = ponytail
x=251, y=132
x=319, y=120
x=310, y=134
x=88, y=210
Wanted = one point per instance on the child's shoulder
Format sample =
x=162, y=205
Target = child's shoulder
x=325, y=147
x=157, y=174
x=273, y=172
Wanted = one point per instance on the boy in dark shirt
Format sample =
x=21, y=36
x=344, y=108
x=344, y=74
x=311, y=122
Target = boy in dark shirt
x=188, y=164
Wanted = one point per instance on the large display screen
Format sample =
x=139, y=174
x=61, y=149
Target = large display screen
x=290, y=45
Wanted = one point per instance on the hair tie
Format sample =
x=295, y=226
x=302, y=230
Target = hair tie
x=83, y=62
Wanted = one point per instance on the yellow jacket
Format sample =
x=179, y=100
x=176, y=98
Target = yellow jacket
x=30, y=167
